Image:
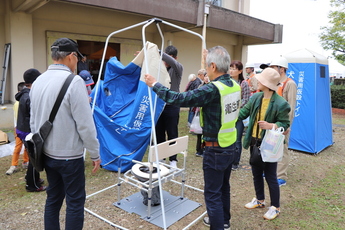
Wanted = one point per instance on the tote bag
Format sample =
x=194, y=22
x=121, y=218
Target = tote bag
x=272, y=145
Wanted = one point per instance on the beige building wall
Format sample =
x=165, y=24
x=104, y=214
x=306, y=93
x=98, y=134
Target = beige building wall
x=32, y=35
x=3, y=40
x=46, y=24
x=47, y=29
x=2, y=27
x=22, y=53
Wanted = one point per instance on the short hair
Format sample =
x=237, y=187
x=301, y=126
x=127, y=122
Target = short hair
x=20, y=86
x=171, y=50
x=30, y=76
x=238, y=65
x=191, y=77
x=220, y=57
x=202, y=72
x=59, y=55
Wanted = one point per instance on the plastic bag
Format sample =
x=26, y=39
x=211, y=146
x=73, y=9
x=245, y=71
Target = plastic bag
x=195, y=125
x=246, y=122
x=272, y=146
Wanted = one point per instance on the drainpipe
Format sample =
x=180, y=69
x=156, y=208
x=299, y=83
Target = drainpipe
x=206, y=12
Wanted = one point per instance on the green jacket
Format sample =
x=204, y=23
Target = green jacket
x=277, y=112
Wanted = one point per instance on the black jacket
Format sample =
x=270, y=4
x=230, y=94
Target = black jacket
x=23, y=120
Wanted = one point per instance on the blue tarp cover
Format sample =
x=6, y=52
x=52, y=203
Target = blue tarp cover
x=122, y=115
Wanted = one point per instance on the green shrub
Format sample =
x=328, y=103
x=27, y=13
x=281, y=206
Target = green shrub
x=338, y=96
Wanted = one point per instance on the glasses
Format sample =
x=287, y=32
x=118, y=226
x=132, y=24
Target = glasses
x=74, y=54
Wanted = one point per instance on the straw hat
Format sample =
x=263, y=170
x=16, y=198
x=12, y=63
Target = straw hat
x=270, y=78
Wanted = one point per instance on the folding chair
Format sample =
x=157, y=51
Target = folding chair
x=146, y=175
x=155, y=174
x=157, y=152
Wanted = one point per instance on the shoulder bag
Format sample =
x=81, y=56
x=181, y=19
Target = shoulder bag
x=34, y=142
x=255, y=154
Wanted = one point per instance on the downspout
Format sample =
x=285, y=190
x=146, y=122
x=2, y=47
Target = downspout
x=206, y=12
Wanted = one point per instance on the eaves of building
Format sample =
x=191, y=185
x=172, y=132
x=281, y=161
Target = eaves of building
x=186, y=13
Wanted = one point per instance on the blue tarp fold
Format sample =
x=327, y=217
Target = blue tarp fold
x=122, y=115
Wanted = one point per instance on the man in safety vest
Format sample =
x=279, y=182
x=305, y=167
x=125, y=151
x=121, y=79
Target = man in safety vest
x=288, y=90
x=220, y=102
x=252, y=82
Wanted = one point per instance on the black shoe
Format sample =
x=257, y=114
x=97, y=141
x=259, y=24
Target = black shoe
x=199, y=154
x=40, y=189
x=207, y=223
x=235, y=167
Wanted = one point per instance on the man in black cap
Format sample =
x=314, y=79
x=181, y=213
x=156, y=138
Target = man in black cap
x=73, y=130
x=33, y=181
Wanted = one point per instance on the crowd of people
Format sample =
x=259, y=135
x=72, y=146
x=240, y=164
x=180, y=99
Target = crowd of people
x=224, y=94
x=266, y=99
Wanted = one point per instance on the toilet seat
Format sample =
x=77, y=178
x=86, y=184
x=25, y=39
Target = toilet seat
x=146, y=175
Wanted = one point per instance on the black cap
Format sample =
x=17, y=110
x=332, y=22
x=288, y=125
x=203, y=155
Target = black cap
x=67, y=45
x=264, y=66
x=30, y=75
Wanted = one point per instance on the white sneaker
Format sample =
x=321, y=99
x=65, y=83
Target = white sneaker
x=173, y=164
x=255, y=204
x=12, y=170
x=272, y=213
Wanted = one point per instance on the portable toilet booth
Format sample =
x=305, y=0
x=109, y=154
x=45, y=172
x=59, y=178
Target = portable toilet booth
x=311, y=130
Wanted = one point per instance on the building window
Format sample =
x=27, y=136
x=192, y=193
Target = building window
x=214, y=2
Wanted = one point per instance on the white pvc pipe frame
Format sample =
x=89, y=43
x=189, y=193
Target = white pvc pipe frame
x=152, y=109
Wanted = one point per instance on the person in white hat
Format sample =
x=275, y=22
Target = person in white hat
x=288, y=90
x=252, y=82
x=266, y=110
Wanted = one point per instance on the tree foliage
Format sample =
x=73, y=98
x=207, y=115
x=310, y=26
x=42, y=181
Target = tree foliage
x=333, y=37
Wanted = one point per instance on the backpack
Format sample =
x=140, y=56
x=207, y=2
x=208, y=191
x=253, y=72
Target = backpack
x=3, y=138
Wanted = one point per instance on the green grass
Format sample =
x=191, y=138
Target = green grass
x=338, y=119
x=313, y=198
x=322, y=206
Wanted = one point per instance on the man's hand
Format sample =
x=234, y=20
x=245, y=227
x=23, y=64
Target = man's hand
x=96, y=165
x=149, y=80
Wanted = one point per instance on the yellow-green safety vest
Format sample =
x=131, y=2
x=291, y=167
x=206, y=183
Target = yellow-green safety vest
x=230, y=98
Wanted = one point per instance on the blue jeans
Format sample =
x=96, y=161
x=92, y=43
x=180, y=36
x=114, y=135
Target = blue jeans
x=191, y=114
x=66, y=179
x=270, y=171
x=238, y=143
x=217, y=164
